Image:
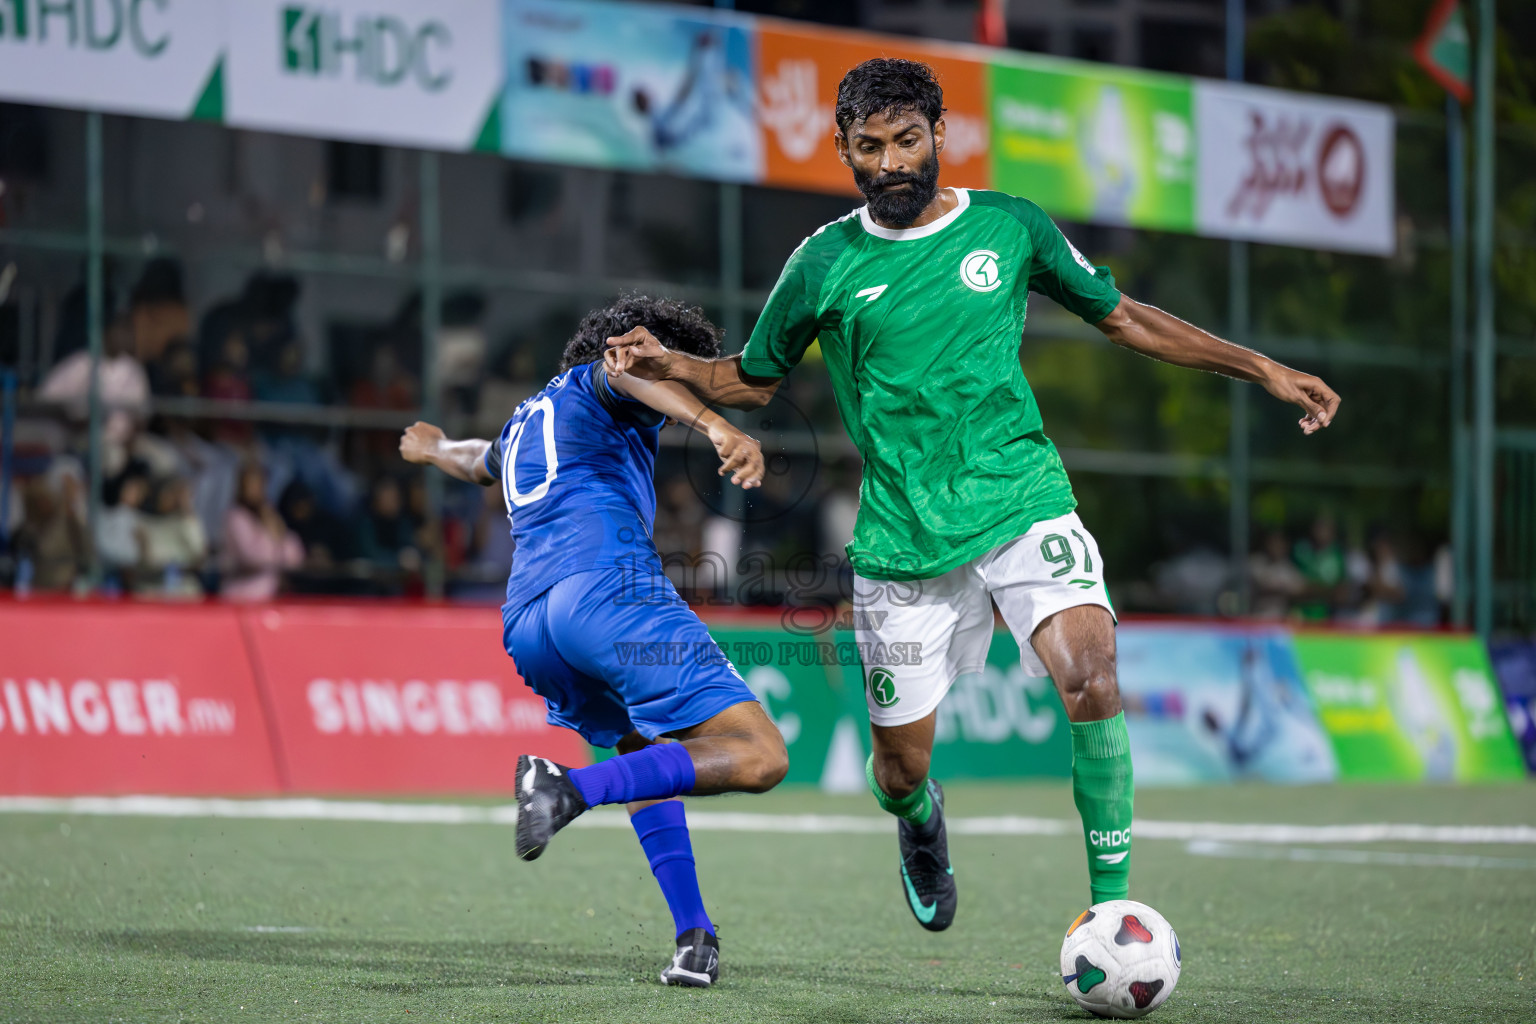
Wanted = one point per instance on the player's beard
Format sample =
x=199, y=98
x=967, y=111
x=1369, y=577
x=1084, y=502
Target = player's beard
x=902, y=206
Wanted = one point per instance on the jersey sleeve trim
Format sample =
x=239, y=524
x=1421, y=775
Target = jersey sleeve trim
x=493, y=455
x=620, y=406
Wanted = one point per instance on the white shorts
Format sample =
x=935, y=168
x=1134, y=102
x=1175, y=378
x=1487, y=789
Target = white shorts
x=918, y=636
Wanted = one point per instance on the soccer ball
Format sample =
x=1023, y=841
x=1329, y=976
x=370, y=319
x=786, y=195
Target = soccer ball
x=1120, y=959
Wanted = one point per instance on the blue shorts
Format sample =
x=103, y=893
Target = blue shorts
x=612, y=651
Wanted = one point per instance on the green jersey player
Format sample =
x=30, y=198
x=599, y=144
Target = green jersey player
x=918, y=300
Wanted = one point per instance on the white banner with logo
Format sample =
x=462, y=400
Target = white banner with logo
x=152, y=57
x=1292, y=169
x=420, y=74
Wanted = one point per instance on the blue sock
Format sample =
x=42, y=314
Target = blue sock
x=659, y=772
x=663, y=832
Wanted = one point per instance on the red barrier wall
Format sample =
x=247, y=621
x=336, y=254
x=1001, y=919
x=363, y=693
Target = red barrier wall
x=394, y=699
x=100, y=698
x=129, y=699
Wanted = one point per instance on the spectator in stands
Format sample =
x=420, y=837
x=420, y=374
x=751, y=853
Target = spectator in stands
x=50, y=545
x=387, y=536
x=287, y=381
x=120, y=541
x=175, y=543
x=426, y=528
x=295, y=451
x=1376, y=575
x=1275, y=580
x=174, y=374
x=121, y=383
x=262, y=316
x=157, y=310
x=258, y=546
x=229, y=380
x=323, y=535
x=1420, y=603
x=1320, y=557
x=388, y=384
x=211, y=468
x=267, y=320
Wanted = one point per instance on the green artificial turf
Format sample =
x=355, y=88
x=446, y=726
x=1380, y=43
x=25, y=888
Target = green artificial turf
x=193, y=919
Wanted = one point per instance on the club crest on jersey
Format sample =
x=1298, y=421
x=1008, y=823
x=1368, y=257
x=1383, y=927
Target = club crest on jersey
x=980, y=271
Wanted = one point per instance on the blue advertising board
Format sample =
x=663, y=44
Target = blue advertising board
x=624, y=85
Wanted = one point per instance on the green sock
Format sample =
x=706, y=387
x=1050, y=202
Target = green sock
x=1102, y=789
x=916, y=806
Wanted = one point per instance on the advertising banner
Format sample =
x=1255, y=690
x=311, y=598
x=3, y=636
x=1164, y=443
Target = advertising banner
x=1212, y=704
x=1095, y=143
x=610, y=84
x=1293, y=169
x=376, y=70
x=799, y=68
x=1409, y=706
x=808, y=696
x=1515, y=666
x=151, y=57
x=1001, y=723
x=398, y=700
x=129, y=699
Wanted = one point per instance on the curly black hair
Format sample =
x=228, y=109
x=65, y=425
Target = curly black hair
x=888, y=85
x=676, y=325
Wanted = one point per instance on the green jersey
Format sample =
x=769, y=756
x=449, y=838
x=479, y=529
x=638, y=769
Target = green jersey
x=920, y=329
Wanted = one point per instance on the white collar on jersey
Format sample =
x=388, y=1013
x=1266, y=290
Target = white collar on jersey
x=907, y=234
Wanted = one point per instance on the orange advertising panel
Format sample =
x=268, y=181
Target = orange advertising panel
x=799, y=69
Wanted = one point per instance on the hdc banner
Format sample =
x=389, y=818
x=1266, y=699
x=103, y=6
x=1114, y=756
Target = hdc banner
x=151, y=57
x=379, y=70
x=402, y=700
x=1295, y=170
x=129, y=699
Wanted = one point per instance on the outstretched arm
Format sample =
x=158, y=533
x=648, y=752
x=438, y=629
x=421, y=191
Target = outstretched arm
x=740, y=455
x=426, y=445
x=1150, y=331
x=716, y=381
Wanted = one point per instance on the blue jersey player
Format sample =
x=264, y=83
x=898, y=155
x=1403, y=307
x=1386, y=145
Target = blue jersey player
x=575, y=465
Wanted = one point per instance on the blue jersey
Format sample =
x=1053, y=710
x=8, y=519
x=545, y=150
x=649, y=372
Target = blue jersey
x=576, y=463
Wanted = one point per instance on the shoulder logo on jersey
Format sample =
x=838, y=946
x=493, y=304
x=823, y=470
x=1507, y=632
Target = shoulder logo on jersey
x=871, y=294
x=1082, y=260
x=980, y=271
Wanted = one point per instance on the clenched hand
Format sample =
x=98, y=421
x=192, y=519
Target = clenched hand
x=419, y=441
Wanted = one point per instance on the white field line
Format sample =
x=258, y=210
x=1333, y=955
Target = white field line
x=1389, y=858
x=305, y=809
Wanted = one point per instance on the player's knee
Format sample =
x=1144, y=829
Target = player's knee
x=1092, y=695
x=764, y=768
x=900, y=773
